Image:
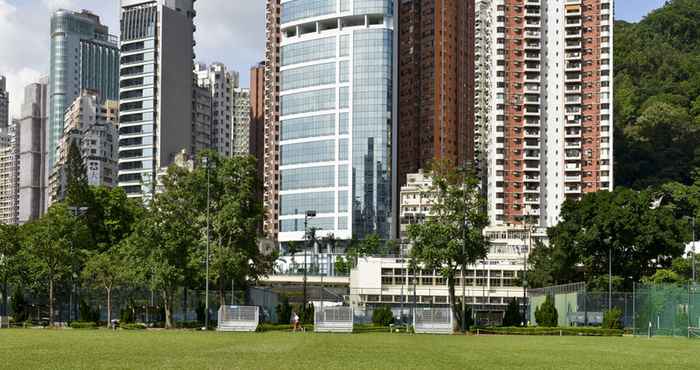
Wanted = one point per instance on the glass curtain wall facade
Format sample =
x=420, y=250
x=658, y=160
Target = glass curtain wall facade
x=84, y=56
x=336, y=104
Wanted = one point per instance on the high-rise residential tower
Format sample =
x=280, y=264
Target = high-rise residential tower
x=330, y=127
x=221, y=82
x=4, y=104
x=256, y=143
x=240, y=129
x=33, y=153
x=83, y=56
x=93, y=127
x=436, y=84
x=270, y=146
x=9, y=174
x=550, y=125
x=155, y=89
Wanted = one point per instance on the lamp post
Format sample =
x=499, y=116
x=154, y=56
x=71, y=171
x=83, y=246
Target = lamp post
x=692, y=248
x=206, y=259
x=309, y=214
x=607, y=241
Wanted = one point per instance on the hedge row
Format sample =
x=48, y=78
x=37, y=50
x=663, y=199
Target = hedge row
x=83, y=325
x=599, y=332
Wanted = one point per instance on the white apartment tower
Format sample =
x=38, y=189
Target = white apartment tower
x=221, y=83
x=155, y=89
x=9, y=174
x=241, y=121
x=93, y=127
x=549, y=135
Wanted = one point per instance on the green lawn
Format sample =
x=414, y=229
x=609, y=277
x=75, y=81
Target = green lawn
x=94, y=349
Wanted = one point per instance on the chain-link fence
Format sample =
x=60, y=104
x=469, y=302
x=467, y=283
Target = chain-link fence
x=667, y=310
x=577, y=306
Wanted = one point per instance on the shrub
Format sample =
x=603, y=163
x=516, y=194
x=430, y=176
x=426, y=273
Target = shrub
x=284, y=311
x=126, y=315
x=188, y=324
x=83, y=325
x=86, y=313
x=131, y=326
x=580, y=331
x=513, y=315
x=19, y=306
x=383, y=316
x=546, y=314
x=612, y=319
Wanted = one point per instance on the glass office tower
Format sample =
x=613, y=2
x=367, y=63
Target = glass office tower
x=335, y=119
x=84, y=56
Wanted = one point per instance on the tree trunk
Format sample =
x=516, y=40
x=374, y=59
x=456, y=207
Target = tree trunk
x=109, y=307
x=167, y=304
x=453, y=302
x=5, y=310
x=50, y=302
x=222, y=290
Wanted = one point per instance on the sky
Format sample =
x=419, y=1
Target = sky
x=228, y=31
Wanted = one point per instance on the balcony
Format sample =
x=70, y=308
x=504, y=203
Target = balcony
x=573, y=34
x=572, y=145
x=573, y=55
x=574, y=88
x=532, y=35
x=572, y=45
x=532, y=189
x=573, y=167
x=572, y=190
x=572, y=134
x=535, y=46
x=572, y=178
x=532, y=155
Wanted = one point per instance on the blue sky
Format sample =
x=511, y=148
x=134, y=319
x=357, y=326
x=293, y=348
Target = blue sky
x=228, y=31
x=634, y=10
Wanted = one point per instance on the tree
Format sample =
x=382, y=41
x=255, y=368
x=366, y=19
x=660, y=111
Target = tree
x=50, y=245
x=452, y=237
x=546, y=314
x=164, y=250
x=627, y=224
x=512, y=316
x=77, y=191
x=106, y=270
x=382, y=316
x=9, y=249
x=612, y=318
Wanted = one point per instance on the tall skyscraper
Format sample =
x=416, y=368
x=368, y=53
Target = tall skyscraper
x=4, y=104
x=221, y=82
x=240, y=128
x=550, y=134
x=155, y=89
x=436, y=84
x=257, y=119
x=83, y=56
x=330, y=126
x=33, y=153
x=93, y=127
x=270, y=149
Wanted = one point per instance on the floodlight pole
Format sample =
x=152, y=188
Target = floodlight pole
x=693, y=250
x=206, y=284
x=609, y=278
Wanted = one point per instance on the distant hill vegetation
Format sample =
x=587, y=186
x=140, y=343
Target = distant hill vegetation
x=657, y=96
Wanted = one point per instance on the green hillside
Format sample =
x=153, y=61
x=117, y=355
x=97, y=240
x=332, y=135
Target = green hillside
x=657, y=96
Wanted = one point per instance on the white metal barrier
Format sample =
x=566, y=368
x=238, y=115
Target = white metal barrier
x=433, y=320
x=238, y=318
x=337, y=319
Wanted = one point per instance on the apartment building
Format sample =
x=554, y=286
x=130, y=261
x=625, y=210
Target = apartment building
x=550, y=126
x=240, y=128
x=436, y=84
x=92, y=126
x=221, y=83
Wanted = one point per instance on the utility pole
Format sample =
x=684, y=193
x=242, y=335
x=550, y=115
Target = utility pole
x=609, y=278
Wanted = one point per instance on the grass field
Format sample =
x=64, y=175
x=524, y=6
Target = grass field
x=100, y=349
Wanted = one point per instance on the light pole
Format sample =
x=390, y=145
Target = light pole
x=206, y=259
x=692, y=248
x=607, y=241
x=309, y=214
